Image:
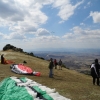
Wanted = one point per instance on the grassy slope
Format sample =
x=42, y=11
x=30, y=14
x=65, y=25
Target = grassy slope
x=68, y=83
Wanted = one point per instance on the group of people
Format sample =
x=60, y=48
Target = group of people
x=57, y=63
x=95, y=67
x=53, y=64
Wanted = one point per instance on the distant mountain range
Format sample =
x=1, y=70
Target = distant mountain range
x=82, y=50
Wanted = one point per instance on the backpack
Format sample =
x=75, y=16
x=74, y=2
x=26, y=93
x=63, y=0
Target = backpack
x=93, y=71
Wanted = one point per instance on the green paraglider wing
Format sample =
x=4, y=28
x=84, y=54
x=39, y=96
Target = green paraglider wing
x=10, y=91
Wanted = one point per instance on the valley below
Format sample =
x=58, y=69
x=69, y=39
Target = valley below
x=79, y=61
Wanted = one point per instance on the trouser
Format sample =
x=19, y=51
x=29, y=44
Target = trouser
x=60, y=66
x=96, y=79
x=51, y=73
x=55, y=66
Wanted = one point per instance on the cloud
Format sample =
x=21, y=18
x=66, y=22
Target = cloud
x=43, y=42
x=82, y=38
x=17, y=36
x=87, y=5
x=9, y=11
x=82, y=24
x=82, y=35
x=26, y=16
x=41, y=32
x=23, y=21
x=77, y=38
x=21, y=16
x=1, y=34
x=47, y=39
x=66, y=9
x=47, y=42
x=95, y=16
x=23, y=28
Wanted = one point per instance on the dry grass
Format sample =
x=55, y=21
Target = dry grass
x=68, y=83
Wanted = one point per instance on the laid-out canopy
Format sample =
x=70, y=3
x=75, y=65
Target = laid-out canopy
x=13, y=88
x=9, y=91
x=22, y=69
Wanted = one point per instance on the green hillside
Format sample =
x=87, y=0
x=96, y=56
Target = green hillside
x=68, y=83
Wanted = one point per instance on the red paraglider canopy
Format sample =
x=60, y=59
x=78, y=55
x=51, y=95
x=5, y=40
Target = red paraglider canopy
x=22, y=69
x=25, y=68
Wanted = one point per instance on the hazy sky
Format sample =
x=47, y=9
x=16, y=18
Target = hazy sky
x=48, y=24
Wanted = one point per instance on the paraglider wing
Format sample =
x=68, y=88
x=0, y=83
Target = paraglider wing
x=22, y=69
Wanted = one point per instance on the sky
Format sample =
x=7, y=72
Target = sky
x=50, y=24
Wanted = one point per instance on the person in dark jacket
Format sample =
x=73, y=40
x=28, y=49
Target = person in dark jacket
x=60, y=64
x=2, y=59
x=95, y=72
x=51, y=65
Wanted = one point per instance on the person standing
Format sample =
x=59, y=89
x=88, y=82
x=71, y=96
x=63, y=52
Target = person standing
x=60, y=64
x=51, y=65
x=95, y=72
x=55, y=63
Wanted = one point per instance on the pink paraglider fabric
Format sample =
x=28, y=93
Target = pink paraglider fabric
x=25, y=68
